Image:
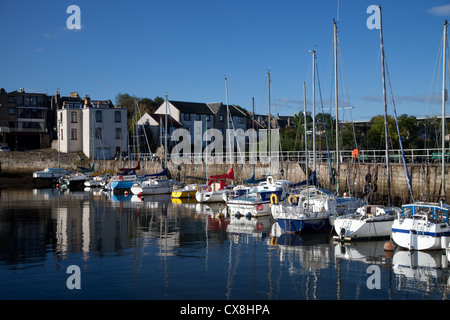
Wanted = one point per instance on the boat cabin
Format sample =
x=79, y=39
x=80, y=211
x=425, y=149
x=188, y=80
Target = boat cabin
x=433, y=212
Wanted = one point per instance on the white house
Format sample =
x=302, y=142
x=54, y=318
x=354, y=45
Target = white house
x=96, y=128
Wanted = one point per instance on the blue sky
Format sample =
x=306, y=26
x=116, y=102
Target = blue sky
x=187, y=48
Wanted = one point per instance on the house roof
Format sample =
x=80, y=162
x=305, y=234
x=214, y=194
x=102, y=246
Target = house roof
x=234, y=111
x=191, y=107
x=161, y=118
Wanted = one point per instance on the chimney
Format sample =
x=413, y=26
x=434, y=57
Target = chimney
x=87, y=100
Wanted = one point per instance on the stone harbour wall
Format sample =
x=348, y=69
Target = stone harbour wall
x=359, y=179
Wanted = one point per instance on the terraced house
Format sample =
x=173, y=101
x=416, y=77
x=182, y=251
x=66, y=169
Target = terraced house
x=26, y=119
x=95, y=127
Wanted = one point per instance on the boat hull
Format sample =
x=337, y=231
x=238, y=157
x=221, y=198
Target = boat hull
x=248, y=208
x=417, y=234
x=184, y=193
x=121, y=185
x=142, y=190
x=304, y=225
x=210, y=196
x=348, y=229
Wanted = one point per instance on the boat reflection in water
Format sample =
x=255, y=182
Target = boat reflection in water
x=156, y=248
x=425, y=271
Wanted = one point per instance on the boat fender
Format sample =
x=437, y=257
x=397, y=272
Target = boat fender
x=273, y=198
x=292, y=199
x=368, y=178
x=373, y=187
x=366, y=189
x=120, y=177
x=196, y=188
x=342, y=234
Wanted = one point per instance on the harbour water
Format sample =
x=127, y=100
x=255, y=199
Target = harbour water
x=160, y=249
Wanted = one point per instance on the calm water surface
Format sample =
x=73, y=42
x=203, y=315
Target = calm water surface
x=158, y=249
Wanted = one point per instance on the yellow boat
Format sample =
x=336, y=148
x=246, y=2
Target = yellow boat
x=188, y=191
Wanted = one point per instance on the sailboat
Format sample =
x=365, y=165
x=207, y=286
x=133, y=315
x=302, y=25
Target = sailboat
x=371, y=221
x=425, y=225
x=313, y=208
x=151, y=184
x=125, y=179
x=216, y=188
x=255, y=201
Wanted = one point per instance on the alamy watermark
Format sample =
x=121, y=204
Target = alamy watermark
x=74, y=280
x=74, y=20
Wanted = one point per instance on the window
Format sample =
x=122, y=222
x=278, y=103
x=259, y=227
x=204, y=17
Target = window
x=199, y=117
x=187, y=116
x=221, y=118
x=98, y=116
x=118, y=133
x=98, y=133
x=74, y=117
x=62, y=136
x=11, y=99
x=241, y=119
x=11, y=111
x=208, y=117
x=73, y=134
x=117, y=116
x=40, y=101
x=19, y=100
x=33, y=100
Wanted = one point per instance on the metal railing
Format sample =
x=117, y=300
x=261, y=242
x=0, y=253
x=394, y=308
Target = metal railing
x=365, y=156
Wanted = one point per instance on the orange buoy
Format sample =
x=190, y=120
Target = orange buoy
x=389, y=246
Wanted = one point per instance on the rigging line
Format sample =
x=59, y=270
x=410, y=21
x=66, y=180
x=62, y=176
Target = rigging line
x=398, y=132
x=324, y=121
x=276, y=120
x=145, y=132
x=348, y=94
x=433, y=98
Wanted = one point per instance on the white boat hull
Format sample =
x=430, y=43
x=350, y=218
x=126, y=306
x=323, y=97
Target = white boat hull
x=248, y=209
x=155, y=187
x=210, y=196
x=347, y=229
x=416, y=233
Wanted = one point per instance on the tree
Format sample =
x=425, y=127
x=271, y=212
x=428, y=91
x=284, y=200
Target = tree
x=376, y=133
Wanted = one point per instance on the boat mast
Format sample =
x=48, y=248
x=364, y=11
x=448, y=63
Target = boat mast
x=385, y=113
x=228, y=136
x=269, y=126
x=336, y=104
x=165, y=136
x=314, y=107
x=306, y=142
x=443, y=109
